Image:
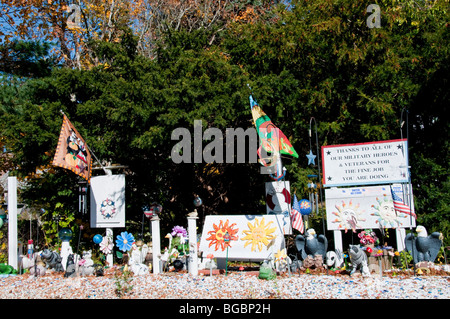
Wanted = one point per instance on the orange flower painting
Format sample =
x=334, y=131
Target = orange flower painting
x=216, y=235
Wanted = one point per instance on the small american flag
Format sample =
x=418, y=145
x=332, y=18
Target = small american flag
x=400, y=206
x=296, y=216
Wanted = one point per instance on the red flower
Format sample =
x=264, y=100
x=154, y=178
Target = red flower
x=369, y=250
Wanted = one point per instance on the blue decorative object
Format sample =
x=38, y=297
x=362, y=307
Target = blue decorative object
x=98, y=239
x=124, y=241
x=197, y=201
x=65, y=234
x=305, y=207
x=311, y=158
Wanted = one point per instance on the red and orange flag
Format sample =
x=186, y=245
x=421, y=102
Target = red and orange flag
x=72, y=152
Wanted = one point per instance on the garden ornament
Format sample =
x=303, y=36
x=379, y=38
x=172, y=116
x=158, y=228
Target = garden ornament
x=335, y=259
x=87, y=264
x=423, y=247
x=70, y=267
x=266, y=272
x=359, y=260
x=137, y=268
x=52, y=260
x=311, y=244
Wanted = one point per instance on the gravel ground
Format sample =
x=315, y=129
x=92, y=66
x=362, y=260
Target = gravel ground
x=233, y=286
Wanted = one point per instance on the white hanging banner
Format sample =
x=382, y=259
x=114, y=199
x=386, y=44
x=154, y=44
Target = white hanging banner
x=107, y=198
x=382, y=162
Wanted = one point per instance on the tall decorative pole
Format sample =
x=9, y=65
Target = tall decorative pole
x=156, y=239
x=226, y=239
x=320, y=178
x=12, y=222
x=409, y=180
x=192, y=231
x=109, y=256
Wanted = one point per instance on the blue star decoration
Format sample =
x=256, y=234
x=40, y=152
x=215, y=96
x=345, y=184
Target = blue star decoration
x=311, y=158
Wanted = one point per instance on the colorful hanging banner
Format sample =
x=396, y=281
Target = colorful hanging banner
x=72, y=152
x=271, y=137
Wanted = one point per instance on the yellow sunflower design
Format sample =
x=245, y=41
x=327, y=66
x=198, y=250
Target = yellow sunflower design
x=259, y=234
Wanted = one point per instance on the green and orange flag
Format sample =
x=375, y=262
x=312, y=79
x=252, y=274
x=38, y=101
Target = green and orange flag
x=271, y=137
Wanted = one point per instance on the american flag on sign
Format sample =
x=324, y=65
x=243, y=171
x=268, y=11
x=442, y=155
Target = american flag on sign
x=296, y=216
x=400, y=206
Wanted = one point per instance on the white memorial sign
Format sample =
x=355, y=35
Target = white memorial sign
x=108, y=201
x=382, y=162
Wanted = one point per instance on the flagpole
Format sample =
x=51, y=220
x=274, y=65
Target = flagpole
x=409, y=180
x=320, y=178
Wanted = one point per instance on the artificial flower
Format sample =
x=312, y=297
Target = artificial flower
x=379, y=253
x=106, y=245
x=124, y=241
x=367, y=237
x=179, y=231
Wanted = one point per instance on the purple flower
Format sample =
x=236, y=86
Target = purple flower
x=179, y=231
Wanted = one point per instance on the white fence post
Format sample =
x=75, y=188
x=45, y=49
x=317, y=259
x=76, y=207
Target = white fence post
x=193, y=256
x=156, y=240
x=12, y=222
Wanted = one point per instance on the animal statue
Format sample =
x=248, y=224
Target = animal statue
x=86, y=264
x=335, y=259
x=137, y=268
x=71, y=270
x=148, y=260
x=52, y=260
x=165, y=260
x=173, y=244
x=311, y=244
x=266, y=272
x=358, y=259
x=144, y=252
x=98, y=270
x=296, y=264
x=37, y=270
x=178, y=264
x=423, y=247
